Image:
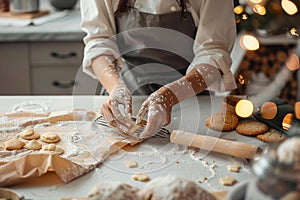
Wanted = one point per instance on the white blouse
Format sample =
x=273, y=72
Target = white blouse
x=213, y=18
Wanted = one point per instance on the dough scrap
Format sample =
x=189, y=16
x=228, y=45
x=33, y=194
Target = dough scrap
x=233, y=168
x=33, y=145
x=29, y=134
x=53, y=148
x=140, y=177
x=227, y=180
x=13, y=144
x=50, y=137
x=130, y=163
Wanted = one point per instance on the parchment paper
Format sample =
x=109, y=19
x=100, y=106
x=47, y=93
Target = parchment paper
x=85, y=144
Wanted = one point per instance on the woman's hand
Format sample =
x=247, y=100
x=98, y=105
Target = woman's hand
x=157, y=107
x=119, y=99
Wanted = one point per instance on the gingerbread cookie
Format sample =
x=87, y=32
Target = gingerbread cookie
x=50, y=137
x=222, y=121
x=53, y=149
x=29, y=134
x=13, y=144
x=33, y=145
x=250, y=128
x=272, y=135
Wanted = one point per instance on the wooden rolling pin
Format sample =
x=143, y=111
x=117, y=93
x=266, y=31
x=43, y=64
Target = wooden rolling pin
x=210, y=143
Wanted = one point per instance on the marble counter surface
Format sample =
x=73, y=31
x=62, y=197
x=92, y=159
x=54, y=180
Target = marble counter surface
x=156, y=157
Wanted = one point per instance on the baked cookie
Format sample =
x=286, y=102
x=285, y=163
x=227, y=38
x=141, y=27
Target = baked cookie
x=222, y=121
x=272, y=135
x=50, y=137
x=13, y=144
x=53, y=148
x=29, y=134
x=250, y=128
x=33, y=145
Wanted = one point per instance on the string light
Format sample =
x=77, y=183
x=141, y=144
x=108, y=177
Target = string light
x=292, y=62
x=261, y=10
x=294, y=32
x=238, y=9
x=289, y=7
x=287, y=121
x=268, y=110
x=249, y=42
x=297, y=109
x=244, y=108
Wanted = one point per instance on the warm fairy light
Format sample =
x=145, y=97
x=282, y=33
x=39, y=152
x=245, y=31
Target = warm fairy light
x=287, y=121
x=238, y=9
x=294, y=32
x=244, y=17
x=297, y=109
x=249, y=42
x=244, y=108
x=256, y=1
x=289, y=7
x=242, y=80
x=292, y=62
x=268, y=110
x=261, y=10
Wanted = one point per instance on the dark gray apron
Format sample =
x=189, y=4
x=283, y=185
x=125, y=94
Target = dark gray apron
x=149, y=62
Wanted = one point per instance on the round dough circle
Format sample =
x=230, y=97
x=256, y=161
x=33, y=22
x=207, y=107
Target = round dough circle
x=50, y=137
x=29, y=134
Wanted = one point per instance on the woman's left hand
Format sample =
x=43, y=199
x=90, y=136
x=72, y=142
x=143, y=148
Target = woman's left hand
x=157, y=107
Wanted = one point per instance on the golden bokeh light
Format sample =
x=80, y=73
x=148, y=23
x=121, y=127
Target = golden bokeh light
x=244, y=108
x=268, y=110
x=261, y=10
x=292, y=62
x=297, y=109
x=238, y=9
x=256, y=1
x=244, y=17
x=287, y=121
x=294, y=32
x=289, y=7
x=249, y=42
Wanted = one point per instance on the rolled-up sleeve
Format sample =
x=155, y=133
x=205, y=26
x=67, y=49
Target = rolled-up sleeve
x=97, y=21
x=214, y=41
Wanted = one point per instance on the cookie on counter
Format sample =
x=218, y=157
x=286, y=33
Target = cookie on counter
x=251, y=128
x=222, y=121
x=272, y=135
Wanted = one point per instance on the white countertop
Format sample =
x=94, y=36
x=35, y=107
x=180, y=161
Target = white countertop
x=66, y=28
x=155, y=157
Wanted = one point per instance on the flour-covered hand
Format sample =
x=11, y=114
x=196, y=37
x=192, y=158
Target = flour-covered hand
x=157, y=107
x=119, y=99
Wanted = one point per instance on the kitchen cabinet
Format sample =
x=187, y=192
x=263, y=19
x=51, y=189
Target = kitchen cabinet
x=14, y=68
x=41, y=68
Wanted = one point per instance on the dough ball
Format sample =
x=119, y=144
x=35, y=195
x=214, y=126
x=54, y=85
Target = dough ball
x=173, y=188
x=113, y=190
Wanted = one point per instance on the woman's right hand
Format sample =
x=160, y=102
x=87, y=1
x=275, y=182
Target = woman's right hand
x=119, y=100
